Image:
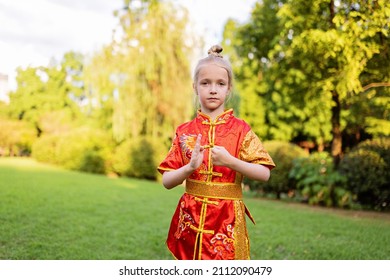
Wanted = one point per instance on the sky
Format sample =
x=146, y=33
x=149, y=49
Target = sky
x=34, y=31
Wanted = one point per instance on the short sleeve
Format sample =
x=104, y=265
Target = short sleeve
x=174, y=159
x=253, y=151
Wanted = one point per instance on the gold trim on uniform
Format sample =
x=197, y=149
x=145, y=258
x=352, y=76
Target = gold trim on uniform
x=214, y=190
x=240, y=232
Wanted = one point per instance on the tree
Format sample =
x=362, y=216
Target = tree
x=310, y=60
x=146, y=82
x=248, y=46
x=46, y=96
x=340, y=47
x=100, y=89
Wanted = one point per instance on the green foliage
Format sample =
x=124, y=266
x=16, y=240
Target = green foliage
x=44, y=148
x=381, y=146
x=126, y=89
x=101, y=91
x=16, y=137
x=143, y=158
x=318, y=182
x=367, y=170
x=314, y=70
x=3, y=109
x=153, y=96
x=82, y=149
x=44, y=91
x=248, y=56
x=137, y=158
x=122, y=161
x=283, y=154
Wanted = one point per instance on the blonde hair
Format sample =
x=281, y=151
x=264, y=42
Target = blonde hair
x=214, y=56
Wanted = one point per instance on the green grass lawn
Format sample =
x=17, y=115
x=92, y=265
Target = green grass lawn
x=49, y=213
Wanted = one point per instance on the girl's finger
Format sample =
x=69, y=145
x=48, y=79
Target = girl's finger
x=197, y=143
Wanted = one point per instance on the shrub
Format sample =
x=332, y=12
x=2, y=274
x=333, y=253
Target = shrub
x=367, y=170
x=121, y=162
x=82, y=149
x=381, y=146
x=283, y=154
x=318, y=182
x=44, y=149
x=137, y=158
x=16, y=137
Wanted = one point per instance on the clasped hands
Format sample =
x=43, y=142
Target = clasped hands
x=219, y=155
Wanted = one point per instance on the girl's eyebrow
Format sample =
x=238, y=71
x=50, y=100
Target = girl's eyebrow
x=207, y=79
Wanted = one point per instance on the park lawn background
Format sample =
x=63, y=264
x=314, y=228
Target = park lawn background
x=49, y=213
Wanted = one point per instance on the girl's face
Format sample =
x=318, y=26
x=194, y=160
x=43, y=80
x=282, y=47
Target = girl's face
x=212, y=88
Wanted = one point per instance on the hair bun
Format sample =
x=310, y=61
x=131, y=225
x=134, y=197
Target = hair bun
x=215, y=51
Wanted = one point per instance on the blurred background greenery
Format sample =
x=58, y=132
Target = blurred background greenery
x=312, y=78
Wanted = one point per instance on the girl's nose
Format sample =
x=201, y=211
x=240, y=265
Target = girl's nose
x=213, y=89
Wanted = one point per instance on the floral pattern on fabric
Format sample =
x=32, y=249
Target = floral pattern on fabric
x=187, y=144
x=223, y=244
x=185, y=220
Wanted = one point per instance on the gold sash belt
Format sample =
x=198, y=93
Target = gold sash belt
x=214, y=190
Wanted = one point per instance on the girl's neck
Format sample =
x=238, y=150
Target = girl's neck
x=213, y=114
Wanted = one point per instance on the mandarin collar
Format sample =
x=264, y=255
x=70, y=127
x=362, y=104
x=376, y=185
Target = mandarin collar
x=227, y=114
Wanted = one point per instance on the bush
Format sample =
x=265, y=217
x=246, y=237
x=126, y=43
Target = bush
x=16, y=137
x=318, y=182
x=381, y=146
x=137, y=158
x=82, y=149
x=283, y=154
x=121, y=163
x=367, y=170
x=44, y=149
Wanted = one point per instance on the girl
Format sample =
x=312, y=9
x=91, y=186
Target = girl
x=212, y=153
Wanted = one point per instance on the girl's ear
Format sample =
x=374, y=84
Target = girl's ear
x=194, y=88
x=230, y=87
x=229, y=92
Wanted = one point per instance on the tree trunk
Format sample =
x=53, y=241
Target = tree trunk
x=336, y=108
x=336, y=129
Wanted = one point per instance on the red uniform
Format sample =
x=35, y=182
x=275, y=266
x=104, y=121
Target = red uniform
x=209, y=221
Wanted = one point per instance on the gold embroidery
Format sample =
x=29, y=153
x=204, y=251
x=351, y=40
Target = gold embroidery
x=223, y=244
x=252, y=150
x=187, y=144
x=214, y=190
x=185, y=221
x=241, y=233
